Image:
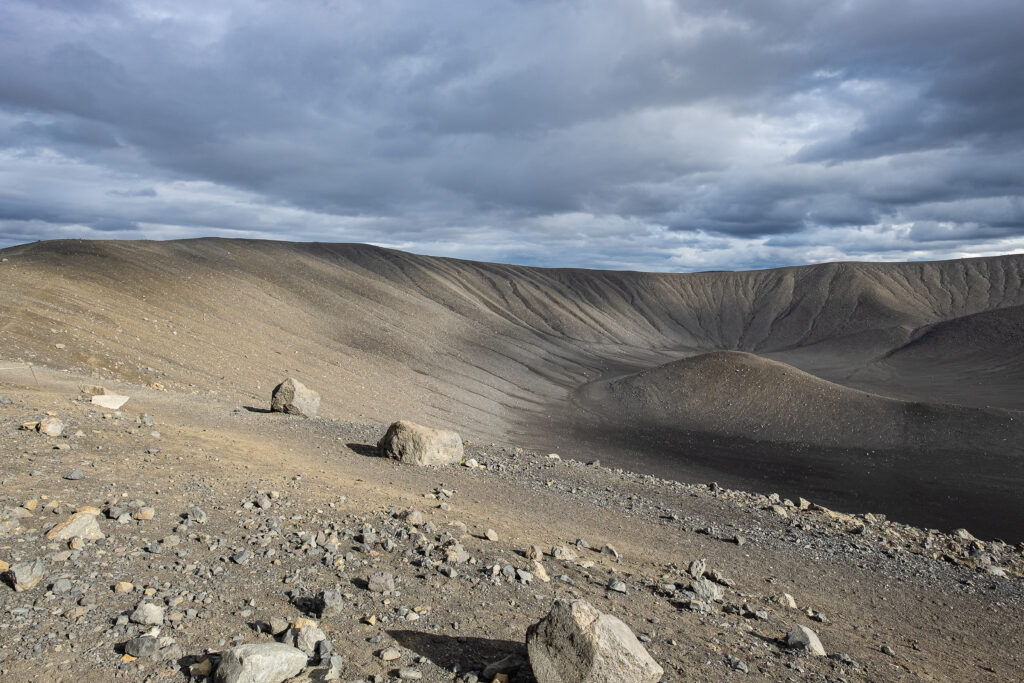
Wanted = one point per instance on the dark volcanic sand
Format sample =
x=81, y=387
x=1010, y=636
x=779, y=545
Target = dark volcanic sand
x=942, y=485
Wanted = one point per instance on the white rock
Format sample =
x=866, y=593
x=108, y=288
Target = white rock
x=576, y=643
x=415, y=444
x=803, y=638
x=294, y=398
x=260, y=663
x=147, y=614
x=78, y=525
x=110, y=401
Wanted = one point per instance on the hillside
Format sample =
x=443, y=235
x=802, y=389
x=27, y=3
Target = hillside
x=500, y=351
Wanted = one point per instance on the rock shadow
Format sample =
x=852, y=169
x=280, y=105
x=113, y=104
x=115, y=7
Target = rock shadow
x=254, y=409
x=368, y=450
x=469, y=654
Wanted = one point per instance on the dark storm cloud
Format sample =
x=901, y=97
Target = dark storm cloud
x=649, y=134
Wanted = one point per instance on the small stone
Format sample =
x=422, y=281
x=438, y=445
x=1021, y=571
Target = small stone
x=737, y=664
x=260, y=663
x=75, y=475
x=197, y=515
x=491, y=535
x=609, y=549
x=241, y=557
x=79, y=525
x=886, y=650
x=697, y=568
x=143, y=647
x=563, y=552
x=407, y=673
x=413, y=517
x=50, y=426
x=803, y=638
x=332, y=603
x=147, y=614
x=787, y=600
x=26, y=575
x=390, y=654
x=616, y=585
x=381, y=582
x=707, y=590
x=123, y=587
x=144, y=514
x=109, y=401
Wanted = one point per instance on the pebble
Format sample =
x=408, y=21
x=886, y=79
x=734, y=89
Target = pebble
x=75, y=475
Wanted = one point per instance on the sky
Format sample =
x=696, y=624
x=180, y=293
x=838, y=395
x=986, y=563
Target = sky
x=629, y=134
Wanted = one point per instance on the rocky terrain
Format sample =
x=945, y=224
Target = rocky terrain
x=728, y=463
x=209, y=525
x=502, y=351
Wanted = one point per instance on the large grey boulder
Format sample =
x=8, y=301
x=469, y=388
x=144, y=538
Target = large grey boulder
x=803, y=638
x=415, y=444
x=576, y=643
x=293, y=397
x=260, y=663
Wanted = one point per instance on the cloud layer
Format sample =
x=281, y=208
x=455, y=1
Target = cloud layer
x=643, y=134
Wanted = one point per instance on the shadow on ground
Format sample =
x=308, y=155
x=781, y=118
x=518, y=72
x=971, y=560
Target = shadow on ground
x=370, y=451
x=254, y=409
x=468, y=654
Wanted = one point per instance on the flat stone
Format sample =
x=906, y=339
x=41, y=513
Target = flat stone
x=803, y=638
x=380, y=582
x=147, y=614
x=260, y=663
x=143, y=647
x=110, y=401
x=50, y=426
x=27, y=575
x=79, y=525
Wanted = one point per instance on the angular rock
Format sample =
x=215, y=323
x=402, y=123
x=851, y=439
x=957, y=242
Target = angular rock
x=50, y=426
x=332, y=603
x=576, y=643
x=381, y=582
x=260, y=663
x=78, y=525
x=294, y=398
x=803, y=638
x=110, y=401
x=415, y=444
x=707, y=590
x=143, y=647
x=147, y=614
x=24, y=576
x=197, y=515
x=75, y=475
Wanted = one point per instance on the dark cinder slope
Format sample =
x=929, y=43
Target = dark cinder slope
x=974, y=360
x=738, y=394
